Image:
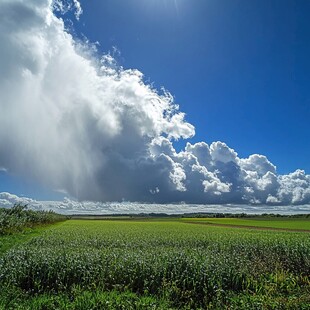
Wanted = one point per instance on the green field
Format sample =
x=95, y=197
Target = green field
x=277, y=223
x=150, y=264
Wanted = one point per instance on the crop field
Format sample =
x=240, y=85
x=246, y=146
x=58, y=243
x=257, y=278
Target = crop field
x=150, y=264
x=285, y=224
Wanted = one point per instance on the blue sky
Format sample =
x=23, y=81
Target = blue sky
x=238, y=69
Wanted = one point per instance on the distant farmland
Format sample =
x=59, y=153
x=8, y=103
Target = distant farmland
x=295, y=224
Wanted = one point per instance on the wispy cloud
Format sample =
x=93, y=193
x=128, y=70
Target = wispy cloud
x=81, y=123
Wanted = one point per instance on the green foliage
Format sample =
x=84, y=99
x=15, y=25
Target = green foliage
x=80, y=299
x=159, y=264
x=17, y=218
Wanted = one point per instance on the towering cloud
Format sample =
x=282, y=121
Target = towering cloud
x=80, y=123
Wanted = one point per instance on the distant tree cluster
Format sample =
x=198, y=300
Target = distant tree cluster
x=19, y=217
x=243, y=215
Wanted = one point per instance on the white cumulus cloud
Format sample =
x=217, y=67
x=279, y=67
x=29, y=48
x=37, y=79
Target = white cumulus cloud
x=76, y=121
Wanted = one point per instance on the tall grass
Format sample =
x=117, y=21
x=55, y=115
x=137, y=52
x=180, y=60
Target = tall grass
x=186, y=266
x=18, y=218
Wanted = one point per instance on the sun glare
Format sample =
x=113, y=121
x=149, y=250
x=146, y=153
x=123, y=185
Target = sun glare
x=172, y=6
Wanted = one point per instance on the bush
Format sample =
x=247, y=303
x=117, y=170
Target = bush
x=17, y=218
